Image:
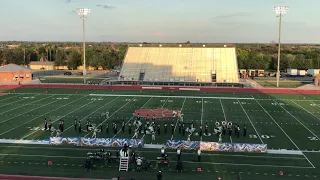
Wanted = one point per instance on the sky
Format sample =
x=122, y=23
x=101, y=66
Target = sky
x=201, y=21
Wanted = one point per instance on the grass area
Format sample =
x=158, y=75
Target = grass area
x=68, y=79
x=282, y=84
x=279, y=120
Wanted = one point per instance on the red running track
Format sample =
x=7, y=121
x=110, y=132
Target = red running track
x=167, y=88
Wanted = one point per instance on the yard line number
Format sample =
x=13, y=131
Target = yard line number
x=235, y=102
x=280, y=104
x=96, y=99
x=313, y=138
x=60, y=98
x=253, y=136
x=31, y=97
x=315, y=105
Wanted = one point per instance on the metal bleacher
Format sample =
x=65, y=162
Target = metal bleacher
x=180, y=64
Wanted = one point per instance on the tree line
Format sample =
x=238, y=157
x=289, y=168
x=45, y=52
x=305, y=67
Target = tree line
x=109, y=55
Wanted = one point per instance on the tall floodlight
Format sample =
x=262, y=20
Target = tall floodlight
x=83, y=12
x=280, y=11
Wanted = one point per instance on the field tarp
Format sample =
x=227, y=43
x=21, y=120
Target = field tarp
x=112, y=142
x=96, y=142
x=216, y=146
x=254, y=148
x=188, y=145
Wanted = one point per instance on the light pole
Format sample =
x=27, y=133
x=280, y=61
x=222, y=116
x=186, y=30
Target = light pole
x=280, y=10
x=83, y=12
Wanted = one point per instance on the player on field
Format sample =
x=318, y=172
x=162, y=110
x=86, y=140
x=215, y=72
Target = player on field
x=244, y=131
x=158, y=128
x=45, y=124
x=172, y=128
x=165, y=127
x=79, y=127
x=189, y=135
x=115, y=129
x=87, y=124
x=94, y=135
x=180, y=126
x=50, y=125
x=101, y=127
x=75, y=124
x=138, y=117
x=183, y=129
x=135, y=134
x=238, y=131
x=200, y=131
x=235, y=129
x=129, y=126
x=220, y=138
x=123, y=126
x=107, y=127
x=153, y=136
x=206, y=129
x=153, y=118
x=107, y=114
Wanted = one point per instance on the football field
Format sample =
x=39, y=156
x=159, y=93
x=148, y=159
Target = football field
x=288, y=124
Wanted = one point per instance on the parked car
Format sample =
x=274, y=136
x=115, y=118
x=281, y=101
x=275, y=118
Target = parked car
x=79, y=73
x=67, y=73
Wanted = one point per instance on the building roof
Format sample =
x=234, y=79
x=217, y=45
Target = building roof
x=41, y=63
x=14, y=68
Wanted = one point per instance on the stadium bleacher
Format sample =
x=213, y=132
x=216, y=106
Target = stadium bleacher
x=180, y=64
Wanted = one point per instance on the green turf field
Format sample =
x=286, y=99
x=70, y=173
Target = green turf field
x=289, y=122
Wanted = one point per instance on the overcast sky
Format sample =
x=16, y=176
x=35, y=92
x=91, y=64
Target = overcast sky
x=229, y=21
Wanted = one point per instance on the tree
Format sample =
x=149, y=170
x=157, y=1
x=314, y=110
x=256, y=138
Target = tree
x=74, y=60
x=59, y=61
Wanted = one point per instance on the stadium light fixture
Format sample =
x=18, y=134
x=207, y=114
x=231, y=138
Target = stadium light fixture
x=83, y=12
x=160, y=45
x=280, y=11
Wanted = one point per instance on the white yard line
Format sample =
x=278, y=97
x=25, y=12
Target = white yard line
x=284, y=132
x=297, y=120
x=63, y=115
x=33, y=118
x=92, y=113
x=251, y=122
x=23, y=106
x=190, y=162
x=306, y=110
x=132, y=117
x=29, y=110
x=10, y=97
x=224, y=114
x=175, y=127
x=6, y=104
x=161, y=108
x=159, y=96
